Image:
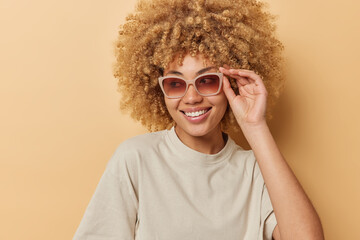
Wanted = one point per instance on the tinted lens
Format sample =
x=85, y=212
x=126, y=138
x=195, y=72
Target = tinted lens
x=174, y=87
x=208, y=84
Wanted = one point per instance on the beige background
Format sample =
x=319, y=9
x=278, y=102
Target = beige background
x=60, y=124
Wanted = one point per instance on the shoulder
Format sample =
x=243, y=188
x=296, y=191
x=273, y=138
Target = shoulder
x=142, y=142
x=130, y=152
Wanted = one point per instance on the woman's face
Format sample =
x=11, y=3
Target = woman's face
x=195, y=115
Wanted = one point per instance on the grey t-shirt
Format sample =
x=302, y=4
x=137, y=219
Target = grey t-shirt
x=156, y=188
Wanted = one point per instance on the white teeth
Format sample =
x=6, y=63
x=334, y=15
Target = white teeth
x=195, y=114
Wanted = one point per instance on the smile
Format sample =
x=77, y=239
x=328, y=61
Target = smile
x=196, y=113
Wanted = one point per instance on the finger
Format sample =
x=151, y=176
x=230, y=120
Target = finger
x=229, y=92
x=240, y=80
x=247, y=91
x=244, y=94
x=251, y=75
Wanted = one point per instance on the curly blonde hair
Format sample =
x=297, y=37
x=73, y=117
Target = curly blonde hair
x=239, y=33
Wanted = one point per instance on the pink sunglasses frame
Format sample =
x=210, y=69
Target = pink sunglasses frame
x=188, y=82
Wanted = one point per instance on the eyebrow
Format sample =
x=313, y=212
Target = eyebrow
x=198, y=73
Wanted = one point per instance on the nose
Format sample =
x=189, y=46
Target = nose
x=192, y=96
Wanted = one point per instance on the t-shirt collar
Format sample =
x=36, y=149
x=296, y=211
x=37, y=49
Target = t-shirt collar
x=188, y=154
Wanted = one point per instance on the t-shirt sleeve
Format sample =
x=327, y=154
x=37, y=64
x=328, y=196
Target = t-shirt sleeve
x=268, y=220
x=112, y=211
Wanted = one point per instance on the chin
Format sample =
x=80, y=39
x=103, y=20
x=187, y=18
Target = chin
x=197, y=130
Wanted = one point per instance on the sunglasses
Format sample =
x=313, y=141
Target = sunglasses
x=207, y=84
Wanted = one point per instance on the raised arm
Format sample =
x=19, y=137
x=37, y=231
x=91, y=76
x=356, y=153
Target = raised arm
x=296, y=217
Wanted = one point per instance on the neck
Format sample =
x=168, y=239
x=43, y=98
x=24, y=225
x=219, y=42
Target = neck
x=210, y=143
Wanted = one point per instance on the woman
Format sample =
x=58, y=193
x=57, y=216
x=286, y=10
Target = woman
x=194, y=67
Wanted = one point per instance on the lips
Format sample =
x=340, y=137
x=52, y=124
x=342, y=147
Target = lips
x=195, y=112
x=196, y=115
